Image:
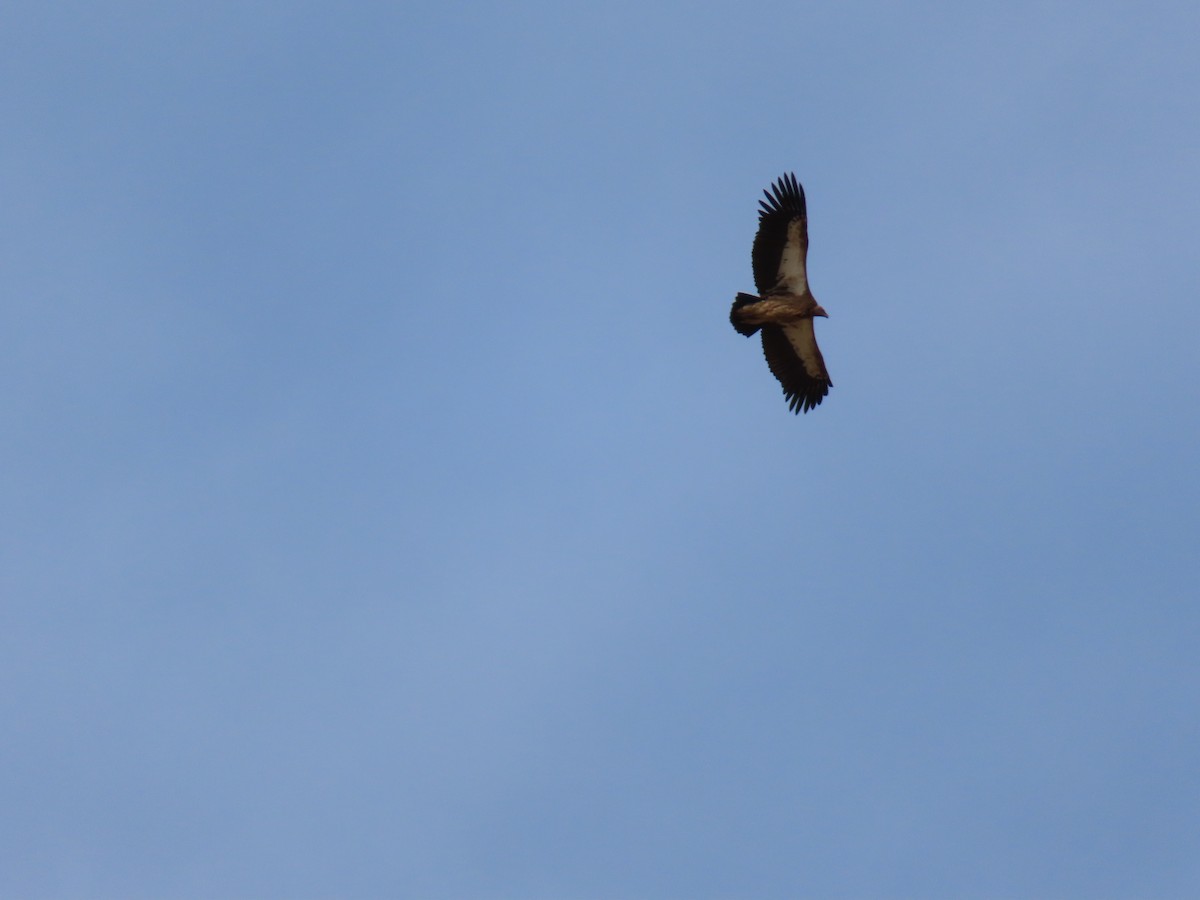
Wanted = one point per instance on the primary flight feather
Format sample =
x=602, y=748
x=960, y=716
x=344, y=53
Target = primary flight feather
x=784, y=307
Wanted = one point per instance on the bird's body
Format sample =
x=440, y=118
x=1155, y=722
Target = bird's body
x=784, y=308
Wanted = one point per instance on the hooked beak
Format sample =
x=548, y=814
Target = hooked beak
x=820, y=311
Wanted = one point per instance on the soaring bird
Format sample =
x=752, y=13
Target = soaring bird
x=784, y=307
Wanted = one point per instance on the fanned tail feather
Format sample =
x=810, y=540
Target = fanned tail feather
x=738, y=302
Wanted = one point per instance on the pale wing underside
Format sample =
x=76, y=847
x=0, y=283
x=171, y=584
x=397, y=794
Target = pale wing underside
x=793, y=270
x=781, y=242
x=803, y=338
x=795, y=359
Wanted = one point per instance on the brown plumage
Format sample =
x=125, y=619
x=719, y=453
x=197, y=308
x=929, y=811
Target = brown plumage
x=784, y=308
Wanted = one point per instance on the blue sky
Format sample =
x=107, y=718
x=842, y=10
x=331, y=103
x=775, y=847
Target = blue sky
x=391, y=510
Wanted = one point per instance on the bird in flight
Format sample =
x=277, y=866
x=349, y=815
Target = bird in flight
x=784, y=307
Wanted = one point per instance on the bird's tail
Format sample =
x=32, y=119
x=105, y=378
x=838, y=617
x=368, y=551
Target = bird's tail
x=735, y=319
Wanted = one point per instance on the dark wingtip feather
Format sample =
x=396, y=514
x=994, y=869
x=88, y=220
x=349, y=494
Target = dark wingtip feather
x=786, y=195
x=810, y=399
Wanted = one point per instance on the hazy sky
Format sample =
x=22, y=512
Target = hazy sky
x=390, y=509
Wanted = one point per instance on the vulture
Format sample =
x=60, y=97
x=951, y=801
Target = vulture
x=784, y=307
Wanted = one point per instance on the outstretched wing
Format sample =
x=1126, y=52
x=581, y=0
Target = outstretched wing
x=781, y=245
x=795, y=359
